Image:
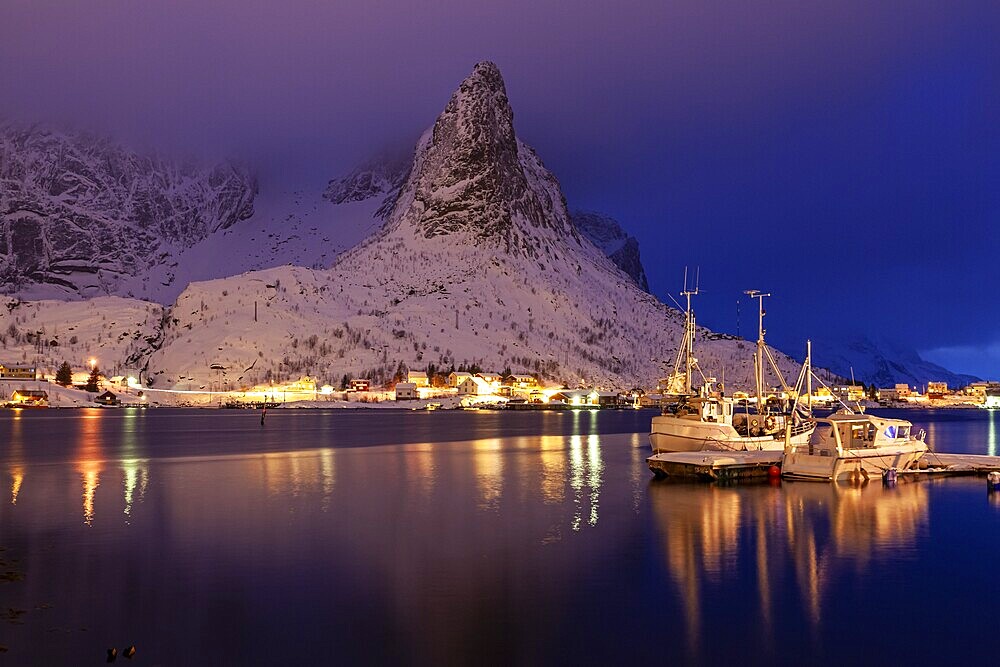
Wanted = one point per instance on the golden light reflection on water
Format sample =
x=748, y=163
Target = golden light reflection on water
x=88, y=460
x=812, y=528
x=16, y=479
x=17, y=459
x=552, y=451
x=488, y=460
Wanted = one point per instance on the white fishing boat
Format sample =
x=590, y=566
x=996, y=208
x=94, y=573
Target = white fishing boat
x=850, y=446
x=710, y=420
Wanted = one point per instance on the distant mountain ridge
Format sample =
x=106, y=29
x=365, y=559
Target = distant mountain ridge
x=607, y=234
x=883, y=363
x=80, y=215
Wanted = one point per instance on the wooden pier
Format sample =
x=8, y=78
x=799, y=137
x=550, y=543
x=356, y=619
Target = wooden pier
x=715, y=466
x=732, y=466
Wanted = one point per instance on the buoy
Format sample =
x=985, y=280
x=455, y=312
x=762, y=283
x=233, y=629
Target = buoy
x=993, y=482
x=773, y=472
x=129, y=652
x=112, y=654
x=889, y=477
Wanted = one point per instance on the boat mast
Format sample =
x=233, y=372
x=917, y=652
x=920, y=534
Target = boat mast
x=809, y=373
x=689, y=360
x=686, y=349
x=758, y=360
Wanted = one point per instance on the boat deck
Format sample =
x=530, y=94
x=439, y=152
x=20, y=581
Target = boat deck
x=716, y=466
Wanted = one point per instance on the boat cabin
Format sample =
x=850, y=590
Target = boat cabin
x=852, y=431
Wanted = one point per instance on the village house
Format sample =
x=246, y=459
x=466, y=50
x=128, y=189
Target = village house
x=937, y=389
x=455, y=378
x=604, y=399
x=406, y=391
x=304, y=385
x=475, y=386
x=107, y=398
x=29, y=397
x=18, y=372
x=570, y=396
x=360, y=385
x=888, y=394
x=903, y=390
x=992, y=399
x=979, y=389
x=522, y=381
x=492, y=378
x=418, y=378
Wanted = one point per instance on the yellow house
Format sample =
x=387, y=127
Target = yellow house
x=304, y=385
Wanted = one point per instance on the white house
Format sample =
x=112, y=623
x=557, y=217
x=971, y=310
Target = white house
x=456, y=378
x=418, y=378
x=475, y=386
x=406, y=391
x=492, y=378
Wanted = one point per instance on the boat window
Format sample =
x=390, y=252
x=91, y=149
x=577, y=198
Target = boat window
x=822, y=434
x=903, y=432
x=890, y=432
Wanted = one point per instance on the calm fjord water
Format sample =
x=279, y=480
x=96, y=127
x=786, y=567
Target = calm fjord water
x=455, y=537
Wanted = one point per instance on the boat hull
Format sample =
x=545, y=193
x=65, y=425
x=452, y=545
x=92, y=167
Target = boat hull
x=672, y=434
x=853, y=464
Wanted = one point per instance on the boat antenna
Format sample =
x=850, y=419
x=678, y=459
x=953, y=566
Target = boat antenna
x=686, y=349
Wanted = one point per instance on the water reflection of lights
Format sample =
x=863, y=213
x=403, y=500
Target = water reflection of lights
x=488, y=459
x=814, y=529
x=553, y=482
x=596, y=468
x=586, y=468
x=17, y=458
x=992, y=438
x=136, y=474
x=88, y=460
x=16, y=479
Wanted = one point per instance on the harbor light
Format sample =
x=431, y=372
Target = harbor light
x=93, y=363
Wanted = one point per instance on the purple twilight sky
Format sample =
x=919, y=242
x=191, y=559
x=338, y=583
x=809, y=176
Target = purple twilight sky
x=843, y=155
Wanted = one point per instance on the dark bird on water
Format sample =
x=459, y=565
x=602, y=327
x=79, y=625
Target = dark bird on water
x=112, y=654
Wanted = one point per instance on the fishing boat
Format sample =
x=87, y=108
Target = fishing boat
x=848, y=446
x=710, y=420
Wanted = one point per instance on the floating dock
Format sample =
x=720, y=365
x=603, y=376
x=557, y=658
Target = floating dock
x=723, y=466
x=715, y=466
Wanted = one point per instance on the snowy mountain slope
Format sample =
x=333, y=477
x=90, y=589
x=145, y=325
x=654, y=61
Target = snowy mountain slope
x=116, y=332
x=79, y=215
x=883, y=363
x=478, y=262
x=288, y=227
x=622, y=249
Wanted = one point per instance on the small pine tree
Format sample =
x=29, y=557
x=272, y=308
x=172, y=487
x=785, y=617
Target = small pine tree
x=64, y=375
x=92, y=380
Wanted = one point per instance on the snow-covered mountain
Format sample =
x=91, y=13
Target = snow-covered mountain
x=883, y=363
x=465, y=253
x=478, y=261
x=607, y=234
x=81, y=216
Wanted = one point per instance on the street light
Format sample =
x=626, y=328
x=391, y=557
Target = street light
x=93, y=363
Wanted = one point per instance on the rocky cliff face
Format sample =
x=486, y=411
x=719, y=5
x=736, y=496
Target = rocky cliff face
x=471, y=175
x=78, y=214
x=608, y=235
x=378, y=178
